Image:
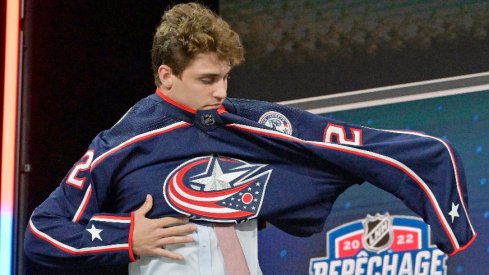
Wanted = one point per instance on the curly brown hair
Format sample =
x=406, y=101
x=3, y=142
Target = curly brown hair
x=187, y=30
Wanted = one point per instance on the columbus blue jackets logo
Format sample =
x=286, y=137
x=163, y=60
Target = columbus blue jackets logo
x=217, y=188
x=277, y=122
x=380, y=244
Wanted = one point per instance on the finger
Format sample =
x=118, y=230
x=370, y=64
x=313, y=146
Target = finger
x=174, y=240
x=168, y=254
x=177, y=230
x=146, y=206
x=172, y=221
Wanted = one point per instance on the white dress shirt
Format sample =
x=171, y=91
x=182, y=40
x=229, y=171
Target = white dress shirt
x=203, y=256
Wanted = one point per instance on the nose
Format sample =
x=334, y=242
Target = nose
x=221, y=88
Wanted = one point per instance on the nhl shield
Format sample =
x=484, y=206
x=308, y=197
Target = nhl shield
x=377, y=234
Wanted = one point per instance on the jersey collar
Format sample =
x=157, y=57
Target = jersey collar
x=183, y=111
x=175, y=103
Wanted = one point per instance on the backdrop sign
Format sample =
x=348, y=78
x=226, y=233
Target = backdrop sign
x=380, y=244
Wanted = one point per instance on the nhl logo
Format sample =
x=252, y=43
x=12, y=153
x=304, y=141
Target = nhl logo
x=277, y=122
x=208, y=119
x=377, y=234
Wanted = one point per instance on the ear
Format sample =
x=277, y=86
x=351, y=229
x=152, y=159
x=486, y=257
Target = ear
x=165, y=73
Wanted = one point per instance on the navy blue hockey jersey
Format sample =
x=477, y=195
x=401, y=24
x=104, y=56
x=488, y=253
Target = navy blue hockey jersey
x=247, y=160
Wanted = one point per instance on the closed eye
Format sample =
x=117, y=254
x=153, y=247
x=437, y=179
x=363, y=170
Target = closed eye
x=207, y=80
x=211, y=79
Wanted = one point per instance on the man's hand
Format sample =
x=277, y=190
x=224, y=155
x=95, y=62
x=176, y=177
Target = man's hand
x=150, y=236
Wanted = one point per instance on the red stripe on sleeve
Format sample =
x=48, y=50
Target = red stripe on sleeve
x=132, y=257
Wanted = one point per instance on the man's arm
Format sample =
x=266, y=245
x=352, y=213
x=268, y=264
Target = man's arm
x=58, y=236
x=69, y=230
x=425, y=172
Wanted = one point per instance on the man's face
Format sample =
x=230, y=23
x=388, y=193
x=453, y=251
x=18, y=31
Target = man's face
x=203, y=84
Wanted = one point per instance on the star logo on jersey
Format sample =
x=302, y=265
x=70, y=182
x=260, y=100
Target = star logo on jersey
x=216, y=179
x=217, y=188
x=95, y=232
x=454, y=211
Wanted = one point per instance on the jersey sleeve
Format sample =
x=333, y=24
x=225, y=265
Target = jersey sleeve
x=425, y=172
x=69, y=228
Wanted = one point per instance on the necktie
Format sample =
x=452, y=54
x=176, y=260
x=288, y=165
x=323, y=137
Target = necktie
x=232, y=252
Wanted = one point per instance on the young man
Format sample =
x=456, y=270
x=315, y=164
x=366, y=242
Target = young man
x=193, y=53
x=189, y=153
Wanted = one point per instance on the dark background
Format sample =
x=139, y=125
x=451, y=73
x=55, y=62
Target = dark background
x=85, y=63
x=305, y=48
x=2, y=57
